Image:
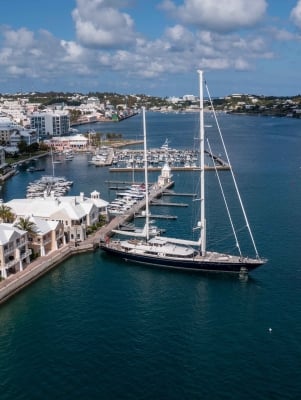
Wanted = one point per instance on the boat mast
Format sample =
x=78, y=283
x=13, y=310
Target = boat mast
x=52, y=161
x=202, y=167
x=145, y=176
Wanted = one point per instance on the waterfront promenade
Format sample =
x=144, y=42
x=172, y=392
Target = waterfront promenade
x=16, y=282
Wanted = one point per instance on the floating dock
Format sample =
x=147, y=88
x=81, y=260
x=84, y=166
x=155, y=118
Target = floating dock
x=129, y=215
x=224, y=167
x=167, y=204
x=158, y=216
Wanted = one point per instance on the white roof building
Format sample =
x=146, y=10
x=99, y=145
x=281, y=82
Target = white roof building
x=48, y=235
x=74, y=142
x=75, y=212
x=11, y=133
x=29, y=136
x=14, y=252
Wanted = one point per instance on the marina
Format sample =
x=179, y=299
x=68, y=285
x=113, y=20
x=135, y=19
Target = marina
x=123, y=160
x=179, y=253
x=95, y=319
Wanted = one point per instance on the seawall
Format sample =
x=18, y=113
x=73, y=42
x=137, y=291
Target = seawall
x=16, y=282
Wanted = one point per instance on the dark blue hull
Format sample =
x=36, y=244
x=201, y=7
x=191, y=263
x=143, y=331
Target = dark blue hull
x=185, y=264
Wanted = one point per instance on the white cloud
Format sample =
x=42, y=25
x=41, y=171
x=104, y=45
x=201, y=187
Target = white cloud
x=218, y=15
x=6, y=55
x=179, y=37
x=20, y=38
x=241, y=64
x=99, y=24
x=179, y=50
x=216, y=64
x=296, y=14
x=107, y=44
x=281, y=35
x=73, y=50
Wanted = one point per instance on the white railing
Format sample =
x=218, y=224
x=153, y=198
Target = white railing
x=26, y=254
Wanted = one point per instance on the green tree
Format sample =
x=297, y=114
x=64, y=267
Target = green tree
x=32, y=148
x=26, y=225
x=6, y=214
x=22, y=146
x=43, y=146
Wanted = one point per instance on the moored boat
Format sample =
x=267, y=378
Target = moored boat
x=183, y=254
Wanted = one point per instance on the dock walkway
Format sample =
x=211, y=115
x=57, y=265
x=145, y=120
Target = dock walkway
x=119, y=220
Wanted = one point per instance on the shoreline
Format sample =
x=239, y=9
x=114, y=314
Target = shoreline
x=10, y=286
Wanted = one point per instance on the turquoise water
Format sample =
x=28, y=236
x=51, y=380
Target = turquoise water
x=97, y=328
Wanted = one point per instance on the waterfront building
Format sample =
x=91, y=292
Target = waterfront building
x=50, y=123
x=14, y=251
x=76, y=213
x=11, y=133
x=47, y=236
x=29, y=136
x=75, y=143
x=7, y=127
x=100, y=203
x=89, y=204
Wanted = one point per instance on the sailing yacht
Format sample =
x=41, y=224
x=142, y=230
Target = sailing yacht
x=166, y=252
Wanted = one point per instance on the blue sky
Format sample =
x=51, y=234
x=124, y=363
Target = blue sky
x=151, y=46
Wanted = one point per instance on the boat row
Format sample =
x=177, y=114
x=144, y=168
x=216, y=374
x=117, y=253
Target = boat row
x=59, y=156
x=126, y=199
x=47, y=186
x=155, y=158
x=102, y=157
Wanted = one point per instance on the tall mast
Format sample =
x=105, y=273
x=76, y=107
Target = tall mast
x=52, y=161
x=145, y=176
x=202, y=167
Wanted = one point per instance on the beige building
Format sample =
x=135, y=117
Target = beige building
x=75, y=143
x=48, y=236
x=14, y=251
x=75, y=213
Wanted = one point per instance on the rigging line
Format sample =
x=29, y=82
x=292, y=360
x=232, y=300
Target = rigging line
x=226, y=203
x=232, y=174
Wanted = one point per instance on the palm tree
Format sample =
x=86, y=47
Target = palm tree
x=26, y=225
x=6, y=214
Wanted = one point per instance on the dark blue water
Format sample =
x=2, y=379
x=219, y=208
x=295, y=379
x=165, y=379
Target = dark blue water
x=97, y=328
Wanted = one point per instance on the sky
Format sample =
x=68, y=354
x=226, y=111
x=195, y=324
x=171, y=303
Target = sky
x=152, y=47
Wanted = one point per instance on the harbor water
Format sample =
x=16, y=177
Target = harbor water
x=98, y=328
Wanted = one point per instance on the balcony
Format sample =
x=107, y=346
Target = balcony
x=9, y=252
x=45, y=241
x=25, y=254
x=11, y=263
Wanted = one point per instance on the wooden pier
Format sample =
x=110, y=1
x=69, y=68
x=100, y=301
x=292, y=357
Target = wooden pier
x=158, y=216
x=167, y=204
x=172, y=193
x=129, y=215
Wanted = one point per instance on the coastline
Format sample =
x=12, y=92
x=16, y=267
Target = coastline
x=39, y=267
